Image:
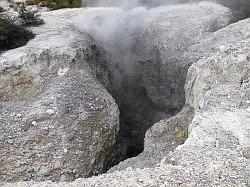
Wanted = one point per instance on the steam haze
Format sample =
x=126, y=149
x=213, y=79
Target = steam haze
x=118, y=29
x=121, y=29
x=154, y=3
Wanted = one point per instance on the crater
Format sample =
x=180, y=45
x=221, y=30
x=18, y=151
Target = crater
x=135, y=81
x=146, y=61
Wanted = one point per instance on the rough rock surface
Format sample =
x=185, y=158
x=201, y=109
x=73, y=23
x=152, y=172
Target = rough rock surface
x=57, y=121
x=216, y=115
x=167, y=36
x=216, y=152
x=161, y=132
x=217, y=87
x=159, y=67
x=146, y=47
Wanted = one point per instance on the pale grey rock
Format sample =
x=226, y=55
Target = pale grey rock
x=146, y=47
x=217, y=87
x=18, y=1
x=167, y=36
x=206, y=46
x=161, y=65
x=57, y=120
x=5, y=4
x=216, y=152
x=160, y=139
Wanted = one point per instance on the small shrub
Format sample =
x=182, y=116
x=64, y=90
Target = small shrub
x=13, y=36
x=29, y=18
x=56, y=4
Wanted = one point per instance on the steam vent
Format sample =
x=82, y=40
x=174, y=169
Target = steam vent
x=125, y=93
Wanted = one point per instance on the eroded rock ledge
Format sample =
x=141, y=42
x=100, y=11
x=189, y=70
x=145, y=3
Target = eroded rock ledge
x=57, y=120
x=217, y=150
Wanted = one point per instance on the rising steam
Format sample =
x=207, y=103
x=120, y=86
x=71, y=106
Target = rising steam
x=119, y=30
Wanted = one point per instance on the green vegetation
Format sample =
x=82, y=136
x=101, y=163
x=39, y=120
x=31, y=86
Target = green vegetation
x=13, y=36
x=56, y=4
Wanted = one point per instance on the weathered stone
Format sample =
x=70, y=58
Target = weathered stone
x=47, y=123
x=146, y=46
x=167, y=36
x=159, y=68
x=216, y=114
x=216, y=151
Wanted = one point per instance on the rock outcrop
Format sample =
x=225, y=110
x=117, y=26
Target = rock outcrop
x=160, y=66
x=146, y=47
x=167, y=36
x=216, y=152
x=207, y=142
x=176, y=54
x=57, y=120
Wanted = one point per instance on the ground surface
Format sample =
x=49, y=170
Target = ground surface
x=217, y=113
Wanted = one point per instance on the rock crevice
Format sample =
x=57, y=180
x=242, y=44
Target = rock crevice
x=148, y=62
x=180, y=80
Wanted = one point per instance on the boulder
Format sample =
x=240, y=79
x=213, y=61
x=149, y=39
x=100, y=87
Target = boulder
x=57, y=119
